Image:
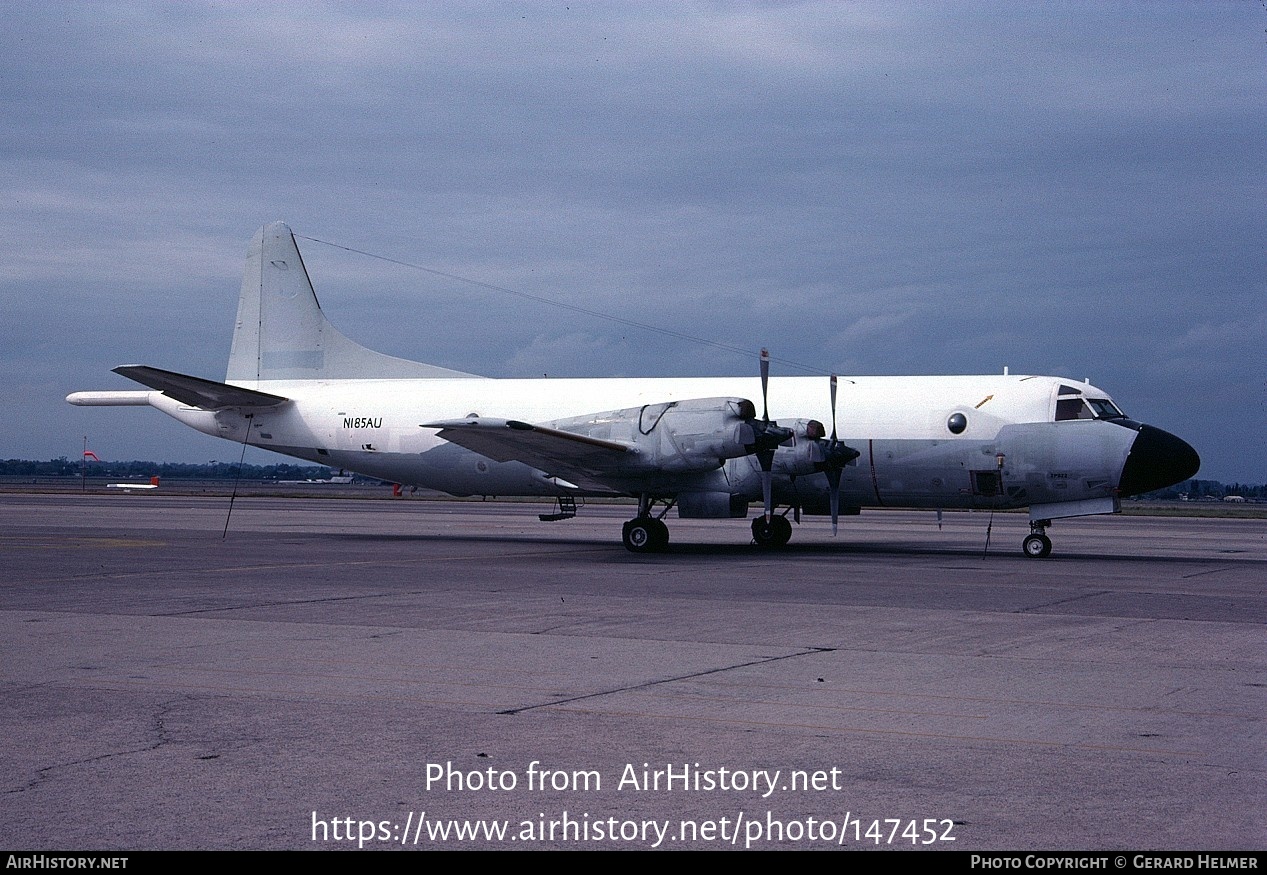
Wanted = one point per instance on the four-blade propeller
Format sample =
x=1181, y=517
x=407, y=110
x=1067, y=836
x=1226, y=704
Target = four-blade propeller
x=767, y=436
x=835, y=457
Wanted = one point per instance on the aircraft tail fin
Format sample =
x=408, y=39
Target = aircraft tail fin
x=281, y=333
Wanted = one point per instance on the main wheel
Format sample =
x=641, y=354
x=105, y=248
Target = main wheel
x=645, y=535
x=775, y=533
x=1037, y=546
x=638, y=535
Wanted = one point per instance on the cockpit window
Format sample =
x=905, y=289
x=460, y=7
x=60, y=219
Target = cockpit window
x=1105, y=409
x=1072, y=408
x=1086, y=408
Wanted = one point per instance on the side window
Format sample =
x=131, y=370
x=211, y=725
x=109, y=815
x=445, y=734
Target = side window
x=1072, y=408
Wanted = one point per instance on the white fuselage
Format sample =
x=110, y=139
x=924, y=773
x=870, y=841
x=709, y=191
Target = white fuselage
x=1010, y=453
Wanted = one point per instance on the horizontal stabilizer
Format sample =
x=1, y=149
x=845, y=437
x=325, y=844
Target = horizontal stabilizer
x=547, y=449
x=197, y=392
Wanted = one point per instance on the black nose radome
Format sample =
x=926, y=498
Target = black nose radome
x=1157, y=459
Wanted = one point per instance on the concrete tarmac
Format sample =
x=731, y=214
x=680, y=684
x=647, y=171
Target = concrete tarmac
x=391, y=669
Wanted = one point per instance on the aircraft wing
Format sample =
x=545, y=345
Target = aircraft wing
x=558, y=453
x=197, y=392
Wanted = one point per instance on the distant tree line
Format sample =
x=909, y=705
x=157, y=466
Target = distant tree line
x=64, y=467
x=1198, y=489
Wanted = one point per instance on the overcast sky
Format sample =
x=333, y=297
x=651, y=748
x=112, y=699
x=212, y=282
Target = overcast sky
x=870, y=188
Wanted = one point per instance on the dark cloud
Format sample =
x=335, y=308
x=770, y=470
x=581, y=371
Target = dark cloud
x=871, y=188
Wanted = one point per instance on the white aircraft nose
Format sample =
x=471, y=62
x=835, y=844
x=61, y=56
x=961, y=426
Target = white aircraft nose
x=1157, y=459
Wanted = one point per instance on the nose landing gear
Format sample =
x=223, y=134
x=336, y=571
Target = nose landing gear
x=1037, y=545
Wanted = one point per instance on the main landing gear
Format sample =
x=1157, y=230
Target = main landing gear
x=649, y=534
x=1037, y=545
x=775, y=532
x=645, y=533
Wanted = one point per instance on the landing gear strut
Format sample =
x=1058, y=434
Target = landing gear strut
x=1037, y=545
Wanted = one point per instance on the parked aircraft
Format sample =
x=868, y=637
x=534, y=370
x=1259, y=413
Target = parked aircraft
x=296, y=385
x=129, y=487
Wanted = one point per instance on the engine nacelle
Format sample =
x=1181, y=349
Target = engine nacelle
x=697, y=434
x=803, y=454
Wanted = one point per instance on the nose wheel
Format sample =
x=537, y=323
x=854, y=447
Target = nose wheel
x=1037, y=545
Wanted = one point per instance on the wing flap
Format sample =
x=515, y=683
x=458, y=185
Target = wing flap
x=197, y=392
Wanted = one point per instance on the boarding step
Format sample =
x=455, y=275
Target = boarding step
x=567, y=510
